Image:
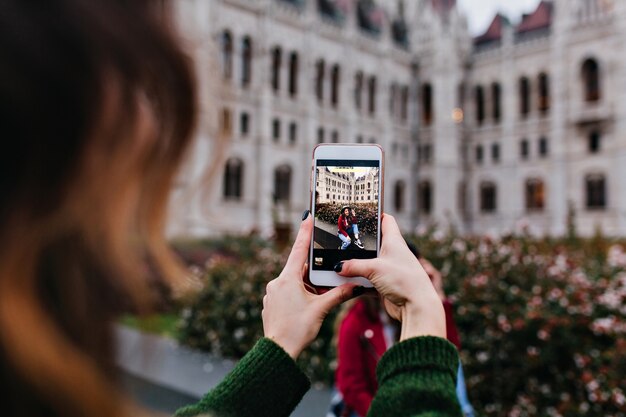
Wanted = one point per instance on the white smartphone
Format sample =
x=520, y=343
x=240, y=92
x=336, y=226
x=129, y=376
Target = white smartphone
x=346, y=205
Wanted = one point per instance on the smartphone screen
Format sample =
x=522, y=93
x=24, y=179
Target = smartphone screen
x=346, y=211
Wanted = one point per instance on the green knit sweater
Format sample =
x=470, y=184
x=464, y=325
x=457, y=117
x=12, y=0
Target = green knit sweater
x=416, y=378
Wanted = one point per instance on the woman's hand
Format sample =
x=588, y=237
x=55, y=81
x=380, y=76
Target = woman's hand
x=292, y=316
x=407, y=292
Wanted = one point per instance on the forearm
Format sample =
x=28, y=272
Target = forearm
x=417, y=378
x=266, y=382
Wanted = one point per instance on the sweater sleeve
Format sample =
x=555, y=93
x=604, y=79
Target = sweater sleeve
x=417, y=378
x=341, y=226
x=265, y=382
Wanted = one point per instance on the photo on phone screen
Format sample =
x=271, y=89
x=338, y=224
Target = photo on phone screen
x=346, y=211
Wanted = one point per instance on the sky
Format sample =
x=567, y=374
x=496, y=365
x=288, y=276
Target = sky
x=481, y=12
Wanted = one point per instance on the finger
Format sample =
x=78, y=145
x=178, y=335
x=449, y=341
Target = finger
x=390, y=229
x=335, y=297
x=300, y=249
x=360, y=268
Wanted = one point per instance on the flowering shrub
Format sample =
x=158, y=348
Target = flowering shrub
x=542, y=322
x=366, y=214
x=225, y=316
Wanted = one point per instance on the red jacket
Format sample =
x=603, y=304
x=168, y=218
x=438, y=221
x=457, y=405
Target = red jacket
x=360, y=345
x=341, y=225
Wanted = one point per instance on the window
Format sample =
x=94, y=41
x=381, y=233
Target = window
x=282, y=184
x=488, y=197
x=591, y=80
x=404, y=103
x=246, y=62
x=227, y=54
x=544, y=93
x=524, y=96
x=276, y=130
x=233, y=179
x=358, y=90
x=359, y=139
x=226, y=124
x=320, y=135
x=372, y=95
x=524, y=149
x=319, y=80
x=392, y=99
x=334, y=84
x=293, y=133
x=495, y=152
x=479, y=154
x=496, y=110
x=293, y=74
x=244, y=124
x=398, y=196
x=424, y=193
x=594, y=141
x=535, y=194
x=596, y=191
x=334, y=137
x=543, y=147
x=276, y=63
x=427, y=104
x=480, y=105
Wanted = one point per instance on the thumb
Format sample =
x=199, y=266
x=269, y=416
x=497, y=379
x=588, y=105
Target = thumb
x=358, y=268
x=336, y=296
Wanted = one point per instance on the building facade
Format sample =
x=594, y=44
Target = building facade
x=523, y=126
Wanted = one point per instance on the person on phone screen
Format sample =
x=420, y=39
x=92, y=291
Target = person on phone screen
x=346, y=224
x=100, y=102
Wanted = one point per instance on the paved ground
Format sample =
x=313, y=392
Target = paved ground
x=326, y=237
x=163, y=375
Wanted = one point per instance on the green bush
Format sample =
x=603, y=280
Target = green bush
x=542, y=322
x=225, y=317
x=366, y=214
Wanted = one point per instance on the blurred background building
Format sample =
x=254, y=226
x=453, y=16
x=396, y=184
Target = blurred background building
x=524, y=125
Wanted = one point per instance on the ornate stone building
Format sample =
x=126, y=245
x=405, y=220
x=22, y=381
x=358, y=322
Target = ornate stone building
x=523, y=125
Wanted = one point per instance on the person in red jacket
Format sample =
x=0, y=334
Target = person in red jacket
x=365, y=334
x=347, y=222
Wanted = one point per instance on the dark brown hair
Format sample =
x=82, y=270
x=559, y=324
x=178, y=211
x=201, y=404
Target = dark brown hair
x=97, y=107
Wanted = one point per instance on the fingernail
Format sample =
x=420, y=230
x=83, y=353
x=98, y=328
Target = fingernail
x=305, y=215
x=356, y=291
x=338, y=267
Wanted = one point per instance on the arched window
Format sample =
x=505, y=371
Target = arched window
x=496, y=109
x=293, y=74
x=276, y=64
x=335, y=74
x=319, y=80
x=392, y=99
x=480, y=105
x=591, y=80
x=595, y=187
x=427, y=104
x=524, y=96
x=488, y=197
x=246, y=61
x=425, y=196
x=358, y=90
x=282, y=184
x=404, y=103
x=372, y=95
x=398, y=196
x=544, y=93
x=233, y=179
x=535, y=194
x=227, y=54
